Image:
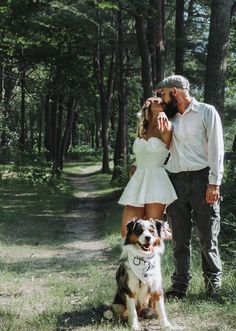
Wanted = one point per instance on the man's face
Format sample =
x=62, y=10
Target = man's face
x=169, y=102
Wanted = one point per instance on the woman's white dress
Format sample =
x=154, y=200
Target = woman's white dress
x=150, y=182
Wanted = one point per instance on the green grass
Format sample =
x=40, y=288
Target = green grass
x=47, y=284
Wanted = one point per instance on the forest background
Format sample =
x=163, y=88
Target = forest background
x=73, y=76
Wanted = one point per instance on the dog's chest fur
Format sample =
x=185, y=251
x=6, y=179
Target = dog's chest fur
x=135, y=265
x=144, y=265
x=138, y=276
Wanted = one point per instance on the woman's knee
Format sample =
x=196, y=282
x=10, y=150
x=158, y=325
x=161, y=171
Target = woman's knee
x=132, y=211
x=154, y=210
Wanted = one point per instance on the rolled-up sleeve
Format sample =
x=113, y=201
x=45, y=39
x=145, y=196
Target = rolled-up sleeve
x=215, y=145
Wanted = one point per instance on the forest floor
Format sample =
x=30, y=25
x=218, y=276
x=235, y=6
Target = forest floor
x=58, y=262
x=87, y=211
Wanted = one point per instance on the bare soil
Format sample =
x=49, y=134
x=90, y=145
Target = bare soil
x=85, y=214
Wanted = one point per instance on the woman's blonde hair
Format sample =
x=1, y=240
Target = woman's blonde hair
x=145, y=115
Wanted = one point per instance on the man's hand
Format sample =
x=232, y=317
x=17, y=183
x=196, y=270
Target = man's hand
x=162, y=121
x=212, y=193
x=132, y=170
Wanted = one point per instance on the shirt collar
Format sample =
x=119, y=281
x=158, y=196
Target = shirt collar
x=194, y=105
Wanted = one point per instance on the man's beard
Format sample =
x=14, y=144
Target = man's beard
x=170, y=108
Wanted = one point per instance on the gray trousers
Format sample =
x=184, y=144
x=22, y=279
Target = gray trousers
x=191, y=207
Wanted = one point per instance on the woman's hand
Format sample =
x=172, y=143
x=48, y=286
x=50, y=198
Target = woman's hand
x=162, y=121
x=155, y=99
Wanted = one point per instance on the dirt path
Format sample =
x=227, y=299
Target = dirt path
x=82, y=226
x=82, y=218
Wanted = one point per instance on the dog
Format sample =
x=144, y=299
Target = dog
x=139, y=281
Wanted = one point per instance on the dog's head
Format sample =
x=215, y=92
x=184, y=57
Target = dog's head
x=145, y=233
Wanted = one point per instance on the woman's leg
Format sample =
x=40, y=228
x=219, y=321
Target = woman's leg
x=154, y=210
x=128, y=213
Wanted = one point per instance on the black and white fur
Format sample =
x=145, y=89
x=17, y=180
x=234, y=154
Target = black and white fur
x=132, y=294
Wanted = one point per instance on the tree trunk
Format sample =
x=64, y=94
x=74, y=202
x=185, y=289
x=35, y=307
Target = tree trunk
x=106, y=93
x=53, y=133
x=120, y=153
x=40, y=125
x=155, y=37
x=31, y=133
x=59, y=150
x=97, y=129
x=92, y=134
x=145, y=57
x=179, y=37
x=160, y=44
x=217, y=51
x=8, y=84
x=2, y=67
x=22, y=111
x=68, y=130
x=74, y=130
x=105, y=138
x=47, y=133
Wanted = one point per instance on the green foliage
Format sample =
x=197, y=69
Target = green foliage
x=228, y=213
x=56, y=43
x=37, y=176
x=123, y=170
x=52, y=279
x=84, y=152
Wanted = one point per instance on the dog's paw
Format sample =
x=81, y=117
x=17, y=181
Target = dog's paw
x=134, y=324
x=165, y=325
x=135, y=327
x=108, y=314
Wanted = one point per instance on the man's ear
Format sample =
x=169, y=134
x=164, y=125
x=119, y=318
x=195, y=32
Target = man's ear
x=174, y=92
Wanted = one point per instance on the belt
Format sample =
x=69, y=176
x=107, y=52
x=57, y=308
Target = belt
x=190, y=173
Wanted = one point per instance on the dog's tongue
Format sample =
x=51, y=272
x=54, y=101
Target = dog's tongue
x=149, y=247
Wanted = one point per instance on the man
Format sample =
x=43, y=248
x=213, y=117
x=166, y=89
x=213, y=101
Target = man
x=195, y=169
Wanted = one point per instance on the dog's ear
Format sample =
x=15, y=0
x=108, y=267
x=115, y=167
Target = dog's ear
x=158, y=225
x=131, y=224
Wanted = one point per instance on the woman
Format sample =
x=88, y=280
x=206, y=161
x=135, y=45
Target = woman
x=149, y=189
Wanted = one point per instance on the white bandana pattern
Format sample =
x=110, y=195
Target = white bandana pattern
x=144, y=264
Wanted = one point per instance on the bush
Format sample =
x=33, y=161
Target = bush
x=84, y=152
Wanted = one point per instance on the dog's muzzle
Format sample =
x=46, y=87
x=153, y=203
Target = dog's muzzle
x=144, y=247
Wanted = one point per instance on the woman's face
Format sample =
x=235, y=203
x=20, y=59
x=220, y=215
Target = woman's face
x=156, y=108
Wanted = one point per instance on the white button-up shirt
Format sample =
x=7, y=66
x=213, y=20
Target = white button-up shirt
x=197, y=141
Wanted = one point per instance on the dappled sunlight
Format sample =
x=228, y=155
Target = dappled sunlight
x=62, y=251
x=81, y=168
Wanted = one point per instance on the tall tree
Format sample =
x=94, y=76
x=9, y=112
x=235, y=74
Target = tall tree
x=140, y=25
x=217, y=51
x=155, y=37
x=120, y=152
x=105, y=87
x=23, y=109
x=179, y=37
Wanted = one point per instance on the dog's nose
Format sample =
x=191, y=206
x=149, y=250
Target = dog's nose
x=148, y=238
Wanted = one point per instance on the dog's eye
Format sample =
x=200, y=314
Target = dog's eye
x=138, y=230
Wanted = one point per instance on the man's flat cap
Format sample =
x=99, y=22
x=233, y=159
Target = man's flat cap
x=177, y=81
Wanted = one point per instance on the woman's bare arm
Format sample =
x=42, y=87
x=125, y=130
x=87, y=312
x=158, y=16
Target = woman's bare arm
x=166, y=134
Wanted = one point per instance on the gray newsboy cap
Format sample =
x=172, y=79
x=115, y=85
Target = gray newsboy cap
x=177, y=81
